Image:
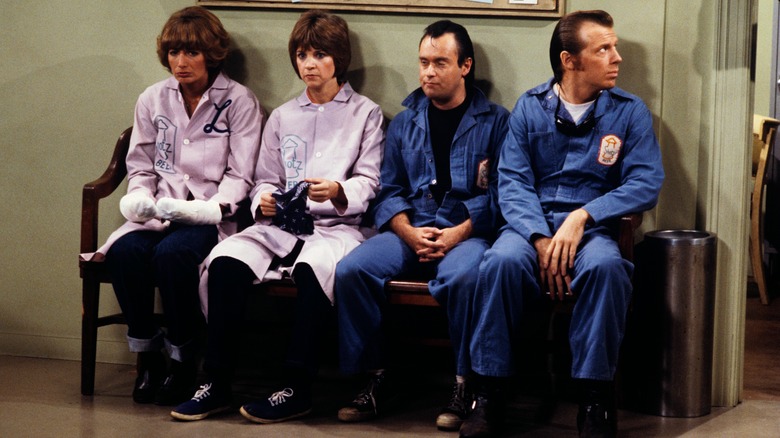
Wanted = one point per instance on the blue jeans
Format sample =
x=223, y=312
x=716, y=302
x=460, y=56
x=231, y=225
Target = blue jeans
x=360, y=296
x=142, y=259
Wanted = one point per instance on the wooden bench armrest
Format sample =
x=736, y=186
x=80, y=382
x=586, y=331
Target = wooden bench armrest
x=628, y=225
x=100, y=188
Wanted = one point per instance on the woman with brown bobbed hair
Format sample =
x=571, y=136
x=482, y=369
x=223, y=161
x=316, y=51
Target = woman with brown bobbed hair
x=195, y=141
x=317, y=171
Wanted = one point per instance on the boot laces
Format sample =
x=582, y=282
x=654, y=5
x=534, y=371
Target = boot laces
x=457, y=401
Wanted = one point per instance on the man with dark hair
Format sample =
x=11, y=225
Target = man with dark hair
x=580, y=153
x=434, y=215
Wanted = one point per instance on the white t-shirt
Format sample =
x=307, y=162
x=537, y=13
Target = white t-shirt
x=577, y=110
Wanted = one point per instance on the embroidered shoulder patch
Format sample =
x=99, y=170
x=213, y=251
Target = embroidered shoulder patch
x=483, y=174
x=609, y=150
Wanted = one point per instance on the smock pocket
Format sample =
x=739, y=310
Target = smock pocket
x=215, y=153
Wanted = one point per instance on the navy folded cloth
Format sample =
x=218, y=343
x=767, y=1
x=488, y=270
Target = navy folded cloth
x=291, y=213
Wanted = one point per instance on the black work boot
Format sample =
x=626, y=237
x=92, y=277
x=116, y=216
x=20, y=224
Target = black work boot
x=151, y=371
x=597, y=417
x=178, y=386
x=457, y=409
x=368, y=403
x=487, y=411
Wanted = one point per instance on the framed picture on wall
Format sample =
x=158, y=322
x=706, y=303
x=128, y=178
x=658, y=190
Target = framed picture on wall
x=511, y=8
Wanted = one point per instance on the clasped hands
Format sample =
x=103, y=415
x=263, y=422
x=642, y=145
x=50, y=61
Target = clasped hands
x=320, y=190
x=429, y=243
x=556, y=255
x=140, y=207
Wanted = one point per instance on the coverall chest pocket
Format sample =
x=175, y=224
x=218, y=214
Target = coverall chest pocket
x=544, y=154
x=605, y=154
x=416, y=166
x=478, y=171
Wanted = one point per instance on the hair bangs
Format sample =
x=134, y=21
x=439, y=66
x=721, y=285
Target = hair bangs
x=184, y=36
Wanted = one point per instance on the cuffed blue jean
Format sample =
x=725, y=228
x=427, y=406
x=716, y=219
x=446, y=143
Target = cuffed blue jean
x=141, y=260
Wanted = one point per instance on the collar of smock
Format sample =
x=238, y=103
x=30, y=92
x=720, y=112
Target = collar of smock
x=342, y=96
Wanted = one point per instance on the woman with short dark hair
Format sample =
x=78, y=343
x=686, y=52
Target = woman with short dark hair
x=317, y=171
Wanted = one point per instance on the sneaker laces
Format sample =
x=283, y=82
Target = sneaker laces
x=202, y=392
x=280, y=397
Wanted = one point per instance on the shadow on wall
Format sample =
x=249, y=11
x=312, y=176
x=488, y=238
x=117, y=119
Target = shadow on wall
x=483, y=77
x=235, y=64
x=378, y=81
x=248, y=66
x=634, y=71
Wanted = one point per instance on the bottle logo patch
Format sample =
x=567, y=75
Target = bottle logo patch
x=483, y=174
x=609, y=150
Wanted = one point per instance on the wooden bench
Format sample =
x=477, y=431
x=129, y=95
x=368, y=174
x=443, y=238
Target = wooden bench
x=403, y=292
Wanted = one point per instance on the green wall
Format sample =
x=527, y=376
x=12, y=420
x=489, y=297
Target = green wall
x=764, y=83
x=71, y=71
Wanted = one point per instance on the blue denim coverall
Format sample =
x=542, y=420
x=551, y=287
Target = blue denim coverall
x=612, y=170
x=407, y=171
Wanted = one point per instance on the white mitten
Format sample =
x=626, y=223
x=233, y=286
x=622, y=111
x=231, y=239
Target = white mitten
x=137, y=207
x=195, y=212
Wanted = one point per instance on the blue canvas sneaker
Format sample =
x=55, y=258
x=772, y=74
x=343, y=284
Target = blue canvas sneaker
x=281, y=405
x=209, y=399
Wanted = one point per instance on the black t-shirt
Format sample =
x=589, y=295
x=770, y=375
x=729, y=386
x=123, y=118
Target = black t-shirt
x=443, y=125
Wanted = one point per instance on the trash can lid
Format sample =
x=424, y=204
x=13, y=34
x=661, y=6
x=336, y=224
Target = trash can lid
x=682, y=237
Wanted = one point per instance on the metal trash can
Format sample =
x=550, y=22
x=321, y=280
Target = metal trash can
x=671, y=324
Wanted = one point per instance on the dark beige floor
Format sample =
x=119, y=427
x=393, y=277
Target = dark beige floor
x=40, y=398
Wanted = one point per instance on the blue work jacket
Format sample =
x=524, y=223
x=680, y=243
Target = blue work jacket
x=612, y=170
x=408, y=168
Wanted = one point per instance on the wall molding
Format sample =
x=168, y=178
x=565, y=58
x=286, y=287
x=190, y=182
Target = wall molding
x=66, y=348
x=726, y=192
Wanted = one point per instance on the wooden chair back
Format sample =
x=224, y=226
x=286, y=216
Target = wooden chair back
x=756, y=245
